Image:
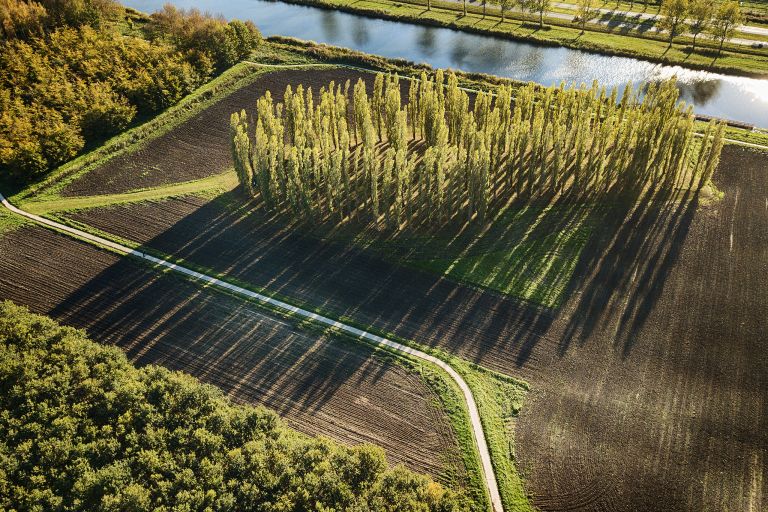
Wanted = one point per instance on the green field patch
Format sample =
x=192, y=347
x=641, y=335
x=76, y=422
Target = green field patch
x=535, y=267
x=529, y=253
x=9, y=221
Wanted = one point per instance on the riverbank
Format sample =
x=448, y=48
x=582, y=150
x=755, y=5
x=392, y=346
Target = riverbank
x=747, y=63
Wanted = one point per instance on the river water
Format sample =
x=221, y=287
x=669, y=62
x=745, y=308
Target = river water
x=727, y=97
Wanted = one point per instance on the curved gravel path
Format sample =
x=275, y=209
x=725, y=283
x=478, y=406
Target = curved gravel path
x=485, y=458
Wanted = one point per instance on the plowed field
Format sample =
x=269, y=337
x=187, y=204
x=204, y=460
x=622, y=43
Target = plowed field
x=320, y=385
x=199, y=147
x=649, y=384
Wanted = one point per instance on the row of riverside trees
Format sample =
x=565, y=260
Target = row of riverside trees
x=700, y=16
x=436, y=158
x=83, y=429
x=75, y=72
x=718, y=19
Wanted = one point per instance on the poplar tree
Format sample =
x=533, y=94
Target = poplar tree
x=726, y=20
x=433, y=158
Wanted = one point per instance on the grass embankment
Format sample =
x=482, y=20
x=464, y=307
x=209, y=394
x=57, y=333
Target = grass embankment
x=210, y=187
x=9, y=221
x=735, y=59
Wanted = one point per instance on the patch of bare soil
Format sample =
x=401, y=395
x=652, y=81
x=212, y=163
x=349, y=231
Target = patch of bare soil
x=649, y=384
x=199, y=147
x=320, y=385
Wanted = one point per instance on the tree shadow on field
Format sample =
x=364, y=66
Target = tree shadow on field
x=252, y=355
x=625, y=266
x=620, y=271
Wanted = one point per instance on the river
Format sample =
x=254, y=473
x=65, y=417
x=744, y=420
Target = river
x=728, y=97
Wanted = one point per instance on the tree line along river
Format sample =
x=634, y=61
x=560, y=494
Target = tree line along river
x=712, y=94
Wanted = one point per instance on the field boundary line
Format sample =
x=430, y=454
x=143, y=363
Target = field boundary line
x=489, y=476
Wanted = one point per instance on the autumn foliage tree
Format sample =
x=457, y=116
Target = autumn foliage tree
x=85, y=430
x=435, y=158
x=69, y=77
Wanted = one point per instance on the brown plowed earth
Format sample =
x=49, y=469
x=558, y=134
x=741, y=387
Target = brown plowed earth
x=319, y=385
x=199, y=147
x=649, y=384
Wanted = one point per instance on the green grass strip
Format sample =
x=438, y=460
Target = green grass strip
x=213, y=184
x=9, y=222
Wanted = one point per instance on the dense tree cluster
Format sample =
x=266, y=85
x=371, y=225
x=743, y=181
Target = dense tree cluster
x=85, y=430
x=68, y=76
x=209, y=42
x=435, y=158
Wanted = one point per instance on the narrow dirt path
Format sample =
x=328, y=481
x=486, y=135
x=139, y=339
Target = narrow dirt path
x=485, y=458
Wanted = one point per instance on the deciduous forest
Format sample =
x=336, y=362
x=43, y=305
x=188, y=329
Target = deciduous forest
x=85, y=430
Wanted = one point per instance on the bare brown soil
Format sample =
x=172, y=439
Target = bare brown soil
x=320, y=385
x=199, y=147
x=649, y=384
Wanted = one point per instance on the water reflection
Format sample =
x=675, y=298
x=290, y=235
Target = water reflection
x=330, y=24
x=460, y=51
x=741, y=99
x=699, y=92
x=426, y=41
x=360, y=32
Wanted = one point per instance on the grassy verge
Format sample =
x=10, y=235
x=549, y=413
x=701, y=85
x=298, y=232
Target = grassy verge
x=499, y=400
x=735, y=59
x=450, y=400
x=9, y=222
x=234, y=78
x=752, y=137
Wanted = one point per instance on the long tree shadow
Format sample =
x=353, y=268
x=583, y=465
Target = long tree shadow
x=322, y=384
x=222, y=340
x=348, y=281
x=624, y=268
